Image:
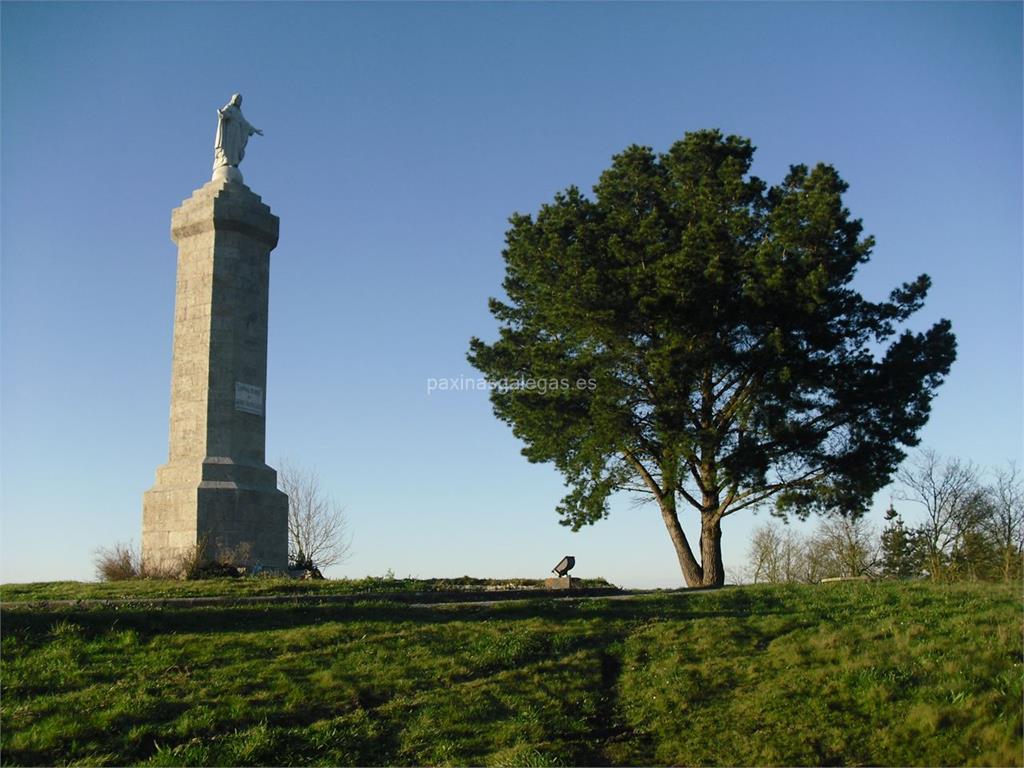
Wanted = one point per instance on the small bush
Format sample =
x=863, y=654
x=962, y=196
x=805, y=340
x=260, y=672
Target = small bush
x=202, y=560
x=206, y=559
x=118, y=563
x=191, y=562
x=212, y=570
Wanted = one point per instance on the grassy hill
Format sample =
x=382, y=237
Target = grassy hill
x=852, y=673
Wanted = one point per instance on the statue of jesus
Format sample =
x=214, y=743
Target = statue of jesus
x=233, y=132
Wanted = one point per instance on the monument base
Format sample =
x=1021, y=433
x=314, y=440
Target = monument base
x=564, y=582
x=224, y=512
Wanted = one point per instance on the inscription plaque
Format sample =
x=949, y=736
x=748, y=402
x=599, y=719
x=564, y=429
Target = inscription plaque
x=248, y=398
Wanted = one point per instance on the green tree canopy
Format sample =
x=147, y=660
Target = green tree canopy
x=727, y=359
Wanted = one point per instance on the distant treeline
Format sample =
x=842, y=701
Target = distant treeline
x=972, y=528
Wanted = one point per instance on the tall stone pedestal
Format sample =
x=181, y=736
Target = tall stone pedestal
x=216, y=490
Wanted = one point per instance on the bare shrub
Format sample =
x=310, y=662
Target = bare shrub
x=118, y=562
x=1006, y=522
x=776, y=555
x=191, y=563
x=841, y=547
x=206, y=559
x=199, y=561
x=318, y=534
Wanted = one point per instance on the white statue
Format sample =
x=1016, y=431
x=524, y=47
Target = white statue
x=233, y=132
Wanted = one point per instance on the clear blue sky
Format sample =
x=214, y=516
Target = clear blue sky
x=398, y=139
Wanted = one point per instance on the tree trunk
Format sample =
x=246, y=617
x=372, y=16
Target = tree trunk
x=692, y=572
x=711, y=552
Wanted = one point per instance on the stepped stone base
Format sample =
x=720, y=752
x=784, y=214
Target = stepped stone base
x=232, y=513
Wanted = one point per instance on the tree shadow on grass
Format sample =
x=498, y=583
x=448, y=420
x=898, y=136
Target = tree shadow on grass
x=322, y=730
x=31, y=624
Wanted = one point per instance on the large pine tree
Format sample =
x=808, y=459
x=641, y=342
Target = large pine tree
x=727, y=360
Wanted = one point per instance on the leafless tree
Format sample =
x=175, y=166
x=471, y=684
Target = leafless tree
x=776, y=555
x=318, y=532
x=953, y=499
x=1005, y=524
x=841, y=547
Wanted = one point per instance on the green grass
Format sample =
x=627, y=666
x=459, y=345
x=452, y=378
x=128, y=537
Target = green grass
x=862, y=673
x=257, y=586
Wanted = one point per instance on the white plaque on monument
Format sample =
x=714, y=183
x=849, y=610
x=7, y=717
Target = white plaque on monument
x=248, y=398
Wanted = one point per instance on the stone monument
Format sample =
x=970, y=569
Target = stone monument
x=562, y=578
x=216, y=492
